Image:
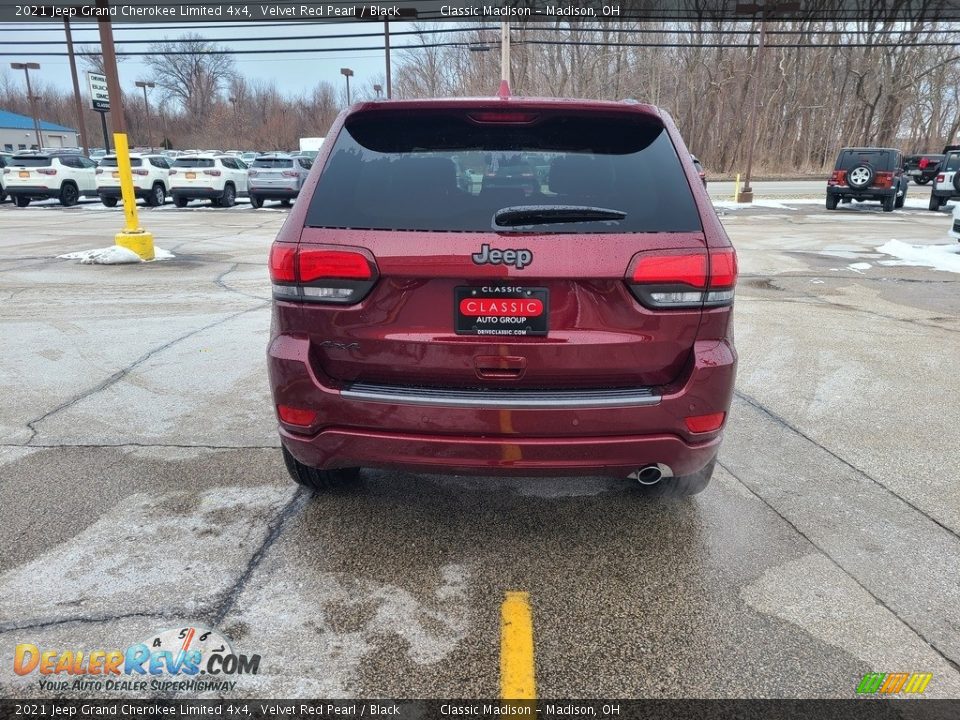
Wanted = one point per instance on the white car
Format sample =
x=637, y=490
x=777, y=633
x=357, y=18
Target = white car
x=151, y=178
x=218, y=178
x=946, y=186
x=955, y=228
x=4, y=161
x=45, y=175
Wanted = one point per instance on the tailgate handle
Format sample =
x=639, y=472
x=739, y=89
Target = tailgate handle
x=499, y=366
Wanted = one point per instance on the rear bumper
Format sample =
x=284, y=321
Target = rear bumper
x=865, y=194
x=502, y=439
x=34, y=192
x=114, y=192
x=948, y=193
x=274, y=193
x=196, y=193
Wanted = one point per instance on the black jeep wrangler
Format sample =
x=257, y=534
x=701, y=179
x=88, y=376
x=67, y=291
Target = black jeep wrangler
x=868, y=174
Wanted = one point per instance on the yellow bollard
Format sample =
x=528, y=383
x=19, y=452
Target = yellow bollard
x=736, y=188
x=133, y=237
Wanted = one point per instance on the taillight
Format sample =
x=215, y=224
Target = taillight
x=290, y=173
x=173, y=172
x=940, y=178
x=839, y=177
x=139, y=171
x=6, y=171
x=251, y=173
x=47, y=171
x=883, y=180
x=215, y=173
x=683, y=278
x=99, y=171
x=314, y=274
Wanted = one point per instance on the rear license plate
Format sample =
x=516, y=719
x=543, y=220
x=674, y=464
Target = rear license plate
x=116, y=174
x=191, y=176
x=24, y=173
x=501, y=310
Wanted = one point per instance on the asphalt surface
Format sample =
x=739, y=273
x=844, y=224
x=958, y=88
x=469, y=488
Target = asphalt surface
x=141, y=486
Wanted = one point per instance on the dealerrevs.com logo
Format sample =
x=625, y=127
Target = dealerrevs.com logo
x=189, y=659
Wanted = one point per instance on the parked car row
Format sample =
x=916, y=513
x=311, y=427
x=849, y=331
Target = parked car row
x=218, y=177
x=883, y=174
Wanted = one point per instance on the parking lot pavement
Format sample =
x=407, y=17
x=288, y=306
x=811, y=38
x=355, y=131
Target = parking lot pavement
x=141, y=487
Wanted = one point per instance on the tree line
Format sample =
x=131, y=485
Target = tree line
x=820, y=86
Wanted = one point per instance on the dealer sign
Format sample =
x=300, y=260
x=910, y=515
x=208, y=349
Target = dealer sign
x=99, y=95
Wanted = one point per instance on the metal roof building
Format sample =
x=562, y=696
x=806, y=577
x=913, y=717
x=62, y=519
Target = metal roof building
x=17, y=133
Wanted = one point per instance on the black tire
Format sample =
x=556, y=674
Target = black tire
x=934, y=202
x=831, y=202
x=683, y=486
x=109, y=201
x=901, y=199
x=69, y=194
x=920, y=179
x=889, y=202
x=317, y=480
x=21, y=201
x=229, y=197
x=180, y=202
x=285, y=202
x=157, y=195
x=860, y=176
x=256, y=202
x=3, y=195
x=956, y=181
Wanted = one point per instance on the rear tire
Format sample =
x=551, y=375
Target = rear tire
x=21, y=201
x=889, y=203
x=317, y=480
x=256, y=202
x=683, y=486
x=180, y=202
x=901, y=199
x=229, y=197
x=109, y=201
x=831, y=205
x=69, y=195
x=157, y=195
x=285, y=202
x=934, y=202
x=921, y=180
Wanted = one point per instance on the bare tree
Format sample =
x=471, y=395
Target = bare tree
x=193, y=74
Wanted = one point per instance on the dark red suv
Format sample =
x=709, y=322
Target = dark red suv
x=503, y=286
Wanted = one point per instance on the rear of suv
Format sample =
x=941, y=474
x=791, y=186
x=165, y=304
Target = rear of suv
x=575, y=323
x=45, y=175
x=276, y=177
x=946, y=186
x=868, y=174
x=151, y=179
x=221, y=179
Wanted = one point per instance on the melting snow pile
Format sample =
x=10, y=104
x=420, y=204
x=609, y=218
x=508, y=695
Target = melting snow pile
x=939, y=257
x=113, y=255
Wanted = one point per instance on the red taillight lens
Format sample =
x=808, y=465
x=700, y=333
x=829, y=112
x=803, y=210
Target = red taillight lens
x=316, y=274
x=923, y=163
x=940, y=178
x=705, y=423
x=883, y=180
x=282, y=263
x=686, y=269
x=296, y=416
x=684, y=278
x=839, y=177
x=47, y=171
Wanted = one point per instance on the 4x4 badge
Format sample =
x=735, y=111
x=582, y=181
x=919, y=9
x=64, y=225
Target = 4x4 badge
x=518, y=258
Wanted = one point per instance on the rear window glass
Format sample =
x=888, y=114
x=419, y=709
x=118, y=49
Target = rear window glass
x=445, y=172
x=272, y=163
x=952, y=162
x=194, y=163
x=30, y=162
x=877, y=159
x=112, y=162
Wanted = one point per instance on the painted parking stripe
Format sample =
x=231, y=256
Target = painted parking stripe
x=517, y=681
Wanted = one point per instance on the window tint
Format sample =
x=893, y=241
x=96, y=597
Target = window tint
x=193, y=163
x=159, y=162
x=877, y=159
x=30, y=162
x=952, y=162
x=434, y=172
x=229, y=163
x=305, y=163
x=112, y=162
x=272, y=163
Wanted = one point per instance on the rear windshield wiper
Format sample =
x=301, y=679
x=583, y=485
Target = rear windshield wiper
x=548, y=214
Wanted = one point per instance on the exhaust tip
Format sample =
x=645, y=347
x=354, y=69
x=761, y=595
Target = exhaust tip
x=652, y=474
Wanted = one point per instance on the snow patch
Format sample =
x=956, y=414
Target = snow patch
x=859, y=267
x=113, y=255
x=939, y=257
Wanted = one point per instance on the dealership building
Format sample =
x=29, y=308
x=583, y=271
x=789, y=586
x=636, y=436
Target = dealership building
x=17, y=133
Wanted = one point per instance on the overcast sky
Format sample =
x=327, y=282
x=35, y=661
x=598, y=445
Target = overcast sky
x=290, y=73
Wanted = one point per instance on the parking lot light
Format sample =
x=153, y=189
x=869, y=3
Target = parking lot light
x=27, y=67
x=347, y=73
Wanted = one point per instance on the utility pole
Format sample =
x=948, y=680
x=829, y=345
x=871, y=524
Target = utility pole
x=78, y=103
x=746, y=194
x=27, y=67
x=117, y=122
x=505, y=53
x=146, y=107
x=386, y=46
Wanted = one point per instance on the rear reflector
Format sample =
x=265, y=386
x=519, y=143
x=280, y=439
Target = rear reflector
x=296, y=416
x=705, y=423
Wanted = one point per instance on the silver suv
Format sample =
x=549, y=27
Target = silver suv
x=277, y=177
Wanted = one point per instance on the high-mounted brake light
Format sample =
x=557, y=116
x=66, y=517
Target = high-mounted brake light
x=312, y=274
x=684, y=278
x=504, y=116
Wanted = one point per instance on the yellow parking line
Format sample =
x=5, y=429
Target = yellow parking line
x=517, y=680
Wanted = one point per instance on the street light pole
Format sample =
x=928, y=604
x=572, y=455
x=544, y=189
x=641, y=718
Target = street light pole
x=386, y=46
x=146, y=106
x=378, y=89
x=347, y=73
x=27, y=67
x=746, y=194
x=78, y=103
x=505, y=52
